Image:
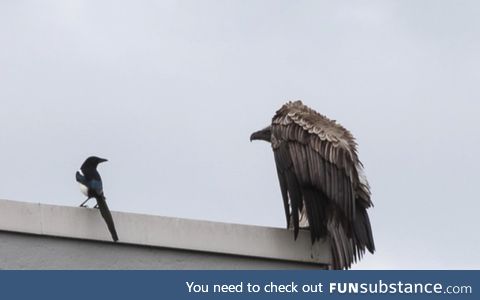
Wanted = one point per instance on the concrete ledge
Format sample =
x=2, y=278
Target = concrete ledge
x=156, y=231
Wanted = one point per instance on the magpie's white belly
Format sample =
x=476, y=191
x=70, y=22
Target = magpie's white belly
x=83, y=189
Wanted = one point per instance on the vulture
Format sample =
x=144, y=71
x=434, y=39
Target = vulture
x=321, y=180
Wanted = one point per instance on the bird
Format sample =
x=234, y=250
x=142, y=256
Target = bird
x=322, y=182
x=91, y=186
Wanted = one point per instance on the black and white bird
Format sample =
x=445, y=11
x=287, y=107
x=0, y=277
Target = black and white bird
x=321, y=180
x=91, y=186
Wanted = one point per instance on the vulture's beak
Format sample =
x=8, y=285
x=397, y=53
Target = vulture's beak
x=264, y=135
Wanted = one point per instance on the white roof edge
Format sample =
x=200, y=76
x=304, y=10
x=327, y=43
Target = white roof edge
x=157, y=231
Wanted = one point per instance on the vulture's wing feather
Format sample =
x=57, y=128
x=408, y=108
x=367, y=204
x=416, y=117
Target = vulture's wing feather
x=318, y=166
x=323, y=154
x=280, y=163
x=290, y=186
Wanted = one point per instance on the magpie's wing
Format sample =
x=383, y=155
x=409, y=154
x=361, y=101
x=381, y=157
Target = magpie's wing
x=95, y=185
x=80, y=178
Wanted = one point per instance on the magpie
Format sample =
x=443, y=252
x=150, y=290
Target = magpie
x=91, y=186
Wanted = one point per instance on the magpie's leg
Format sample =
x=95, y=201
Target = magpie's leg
x=96, y=206
x=83, y=204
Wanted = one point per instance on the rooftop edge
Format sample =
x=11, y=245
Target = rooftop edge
x=158, y=231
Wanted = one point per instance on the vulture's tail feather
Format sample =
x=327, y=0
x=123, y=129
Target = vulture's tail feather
x=342, y=249
x=347, y=249
x=107, y=216
x=363, y=231
x=316, y=204
x=295, y=201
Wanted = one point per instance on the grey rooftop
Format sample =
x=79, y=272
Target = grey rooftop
x=163, y=232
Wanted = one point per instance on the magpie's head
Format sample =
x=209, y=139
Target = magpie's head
x=265, y=135
x=93, y=161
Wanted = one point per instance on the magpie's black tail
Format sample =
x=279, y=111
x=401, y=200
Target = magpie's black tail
x=107, y=216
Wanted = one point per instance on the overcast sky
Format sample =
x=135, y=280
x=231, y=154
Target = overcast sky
x=169, y=92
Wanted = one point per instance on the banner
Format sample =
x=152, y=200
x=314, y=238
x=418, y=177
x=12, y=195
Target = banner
x=239, y=284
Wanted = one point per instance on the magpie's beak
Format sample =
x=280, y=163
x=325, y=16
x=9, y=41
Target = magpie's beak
x=264, y=135
x=102, y=160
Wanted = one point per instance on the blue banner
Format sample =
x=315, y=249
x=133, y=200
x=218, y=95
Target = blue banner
x=239, y=284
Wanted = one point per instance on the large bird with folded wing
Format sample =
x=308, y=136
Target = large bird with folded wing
x=321, y=180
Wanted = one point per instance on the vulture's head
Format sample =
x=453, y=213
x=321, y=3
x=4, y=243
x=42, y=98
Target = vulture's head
x=265, y=135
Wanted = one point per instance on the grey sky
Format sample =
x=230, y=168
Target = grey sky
x=169, y=92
